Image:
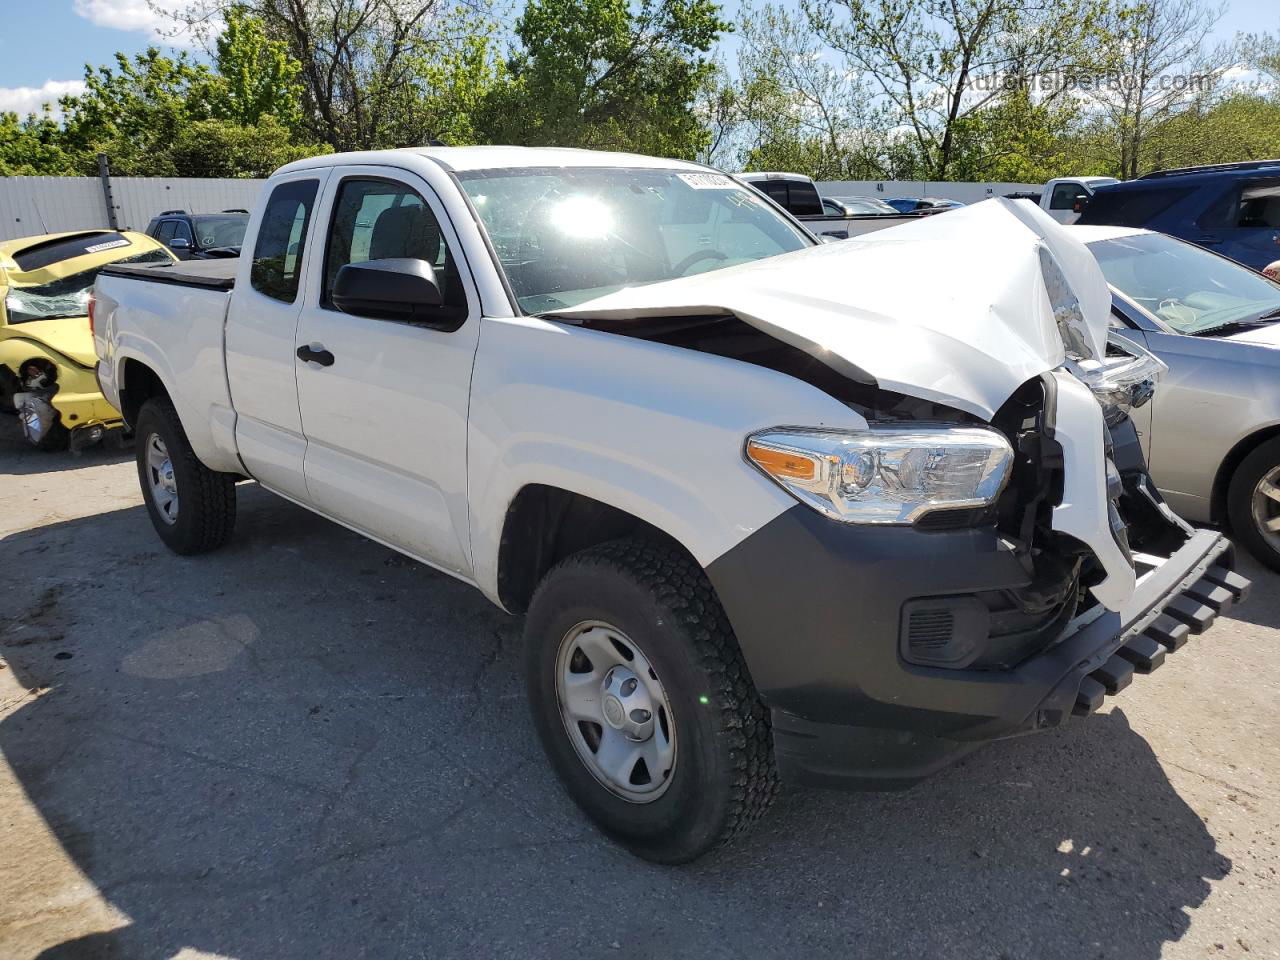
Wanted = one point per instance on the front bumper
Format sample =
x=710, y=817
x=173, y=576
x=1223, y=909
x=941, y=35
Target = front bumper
x=849, y=711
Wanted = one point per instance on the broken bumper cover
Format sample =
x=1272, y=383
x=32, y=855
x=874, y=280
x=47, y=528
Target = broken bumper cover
x=849, y=712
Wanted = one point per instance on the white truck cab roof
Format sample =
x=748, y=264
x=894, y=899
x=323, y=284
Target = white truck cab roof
x=494, y=157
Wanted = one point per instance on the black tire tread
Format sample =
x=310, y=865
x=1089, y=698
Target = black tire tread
x=211, y=494
x=1239, y=500
x=680, y=585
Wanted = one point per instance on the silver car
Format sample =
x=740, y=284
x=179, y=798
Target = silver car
x=1212, y=433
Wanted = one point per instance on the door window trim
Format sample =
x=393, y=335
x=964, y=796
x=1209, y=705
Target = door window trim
x=321, y=178
x=333, y=191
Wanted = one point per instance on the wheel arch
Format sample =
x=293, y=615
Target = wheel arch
x=1231, y=462
x=545, y=523
x=138, y=384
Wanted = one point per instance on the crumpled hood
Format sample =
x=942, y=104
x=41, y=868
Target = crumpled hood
x=954, y=308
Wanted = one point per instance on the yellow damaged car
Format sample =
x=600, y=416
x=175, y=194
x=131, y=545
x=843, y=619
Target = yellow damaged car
x=47, y=359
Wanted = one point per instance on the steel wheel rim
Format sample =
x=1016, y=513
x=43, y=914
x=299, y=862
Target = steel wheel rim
x=164, y=486
x=1266, y=507
x=604, y=687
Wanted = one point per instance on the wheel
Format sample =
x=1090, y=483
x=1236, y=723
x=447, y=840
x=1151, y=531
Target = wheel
x=643, y=702
x=192, y=507
x=1253, y=503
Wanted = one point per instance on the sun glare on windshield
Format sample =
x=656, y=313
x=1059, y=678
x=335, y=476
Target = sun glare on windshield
x=582, y=217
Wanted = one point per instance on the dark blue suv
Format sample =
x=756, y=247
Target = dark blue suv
x=1230, y=208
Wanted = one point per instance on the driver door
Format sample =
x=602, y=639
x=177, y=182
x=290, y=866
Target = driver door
x=384, y=409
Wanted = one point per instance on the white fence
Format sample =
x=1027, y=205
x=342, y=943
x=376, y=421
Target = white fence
x=963, y=192
x=35, y=205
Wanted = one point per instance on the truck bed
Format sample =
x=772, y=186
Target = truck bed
x=219, y=274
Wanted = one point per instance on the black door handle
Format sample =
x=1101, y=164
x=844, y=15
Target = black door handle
x=321, y=356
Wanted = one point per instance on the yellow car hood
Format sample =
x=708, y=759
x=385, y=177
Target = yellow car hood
x=69, y=336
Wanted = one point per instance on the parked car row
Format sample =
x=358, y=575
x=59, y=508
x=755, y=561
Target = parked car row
x=838, y=217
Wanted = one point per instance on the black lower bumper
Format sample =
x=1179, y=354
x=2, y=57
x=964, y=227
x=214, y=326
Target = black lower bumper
x=849, y=712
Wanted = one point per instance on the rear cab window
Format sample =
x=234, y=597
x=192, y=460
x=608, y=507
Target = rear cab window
x=804, y=200
x=282, y=238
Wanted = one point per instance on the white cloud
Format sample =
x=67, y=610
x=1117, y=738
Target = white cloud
x=138, y=16
x=24, y=100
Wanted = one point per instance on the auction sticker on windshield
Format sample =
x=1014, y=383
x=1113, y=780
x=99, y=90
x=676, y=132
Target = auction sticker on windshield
x=109, y=245
x=709, y=181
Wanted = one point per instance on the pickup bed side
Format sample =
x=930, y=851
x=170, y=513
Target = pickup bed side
x=175, y=332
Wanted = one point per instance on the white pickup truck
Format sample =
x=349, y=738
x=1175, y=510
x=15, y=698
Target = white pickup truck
x=773, y=510
x=1065, y=198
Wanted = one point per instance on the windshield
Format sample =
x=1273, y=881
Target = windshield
x=225, y=231
x=1190, y=289
x=68, y=297
x=568, y=235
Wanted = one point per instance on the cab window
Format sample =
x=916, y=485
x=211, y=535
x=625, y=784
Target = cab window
x=383, y=219
x=282, y=239
x=1064, y=196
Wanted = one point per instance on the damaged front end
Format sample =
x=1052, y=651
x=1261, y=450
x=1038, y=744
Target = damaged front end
x=989, y=556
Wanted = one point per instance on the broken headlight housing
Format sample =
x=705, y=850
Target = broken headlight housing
x=885, y=475
x=1124, y=379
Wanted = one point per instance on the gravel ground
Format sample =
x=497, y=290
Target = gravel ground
x=306, y=746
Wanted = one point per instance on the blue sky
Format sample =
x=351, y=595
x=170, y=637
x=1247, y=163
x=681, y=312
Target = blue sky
x=45, y=43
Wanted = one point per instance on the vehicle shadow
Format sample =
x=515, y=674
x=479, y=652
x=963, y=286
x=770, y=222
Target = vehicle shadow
x=306, y=746
x=22, y=459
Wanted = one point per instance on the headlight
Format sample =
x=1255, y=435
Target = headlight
x=885, y=474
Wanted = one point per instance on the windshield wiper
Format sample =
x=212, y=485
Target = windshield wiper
x=1234, y=325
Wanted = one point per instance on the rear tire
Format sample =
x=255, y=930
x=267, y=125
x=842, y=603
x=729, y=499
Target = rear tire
x=192, y=507
x=658, y=604
x=1253, y=502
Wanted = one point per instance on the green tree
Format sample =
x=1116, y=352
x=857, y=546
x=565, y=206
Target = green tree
x=223, y=148
x=256, y=76
x=134, y=112
x=367, y=68
x=1161, y=67
x=797, y=109
x=607, y=74
x=33, y=147
x=938, y=65
x=1241, y=126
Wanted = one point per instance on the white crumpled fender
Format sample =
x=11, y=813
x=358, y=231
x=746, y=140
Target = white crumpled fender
x=1083, y=512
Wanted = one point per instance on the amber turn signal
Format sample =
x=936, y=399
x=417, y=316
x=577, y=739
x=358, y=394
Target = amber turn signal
x=784, y=465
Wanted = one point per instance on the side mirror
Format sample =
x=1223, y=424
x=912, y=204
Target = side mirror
x=179, y=243
x=400, y=288
x=1081, y=201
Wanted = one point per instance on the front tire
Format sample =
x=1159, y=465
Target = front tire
x=192, y=507
x=643, y=702
x=1253, y=503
